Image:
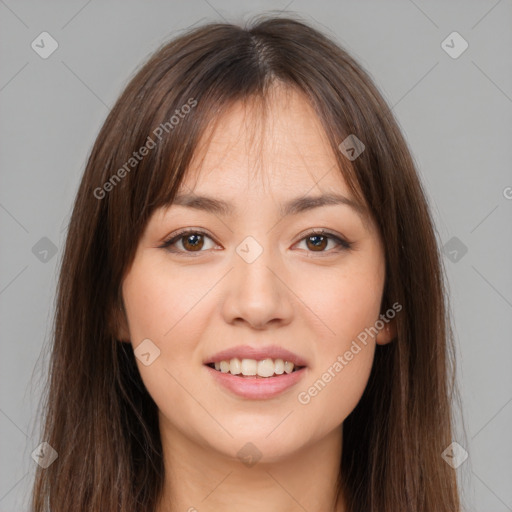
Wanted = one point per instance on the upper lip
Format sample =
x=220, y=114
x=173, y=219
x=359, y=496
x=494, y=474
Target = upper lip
x=258, y=353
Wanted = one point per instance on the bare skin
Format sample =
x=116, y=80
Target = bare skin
x=312, y=301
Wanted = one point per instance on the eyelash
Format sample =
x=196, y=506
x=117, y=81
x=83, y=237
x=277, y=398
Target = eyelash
x=342, y=244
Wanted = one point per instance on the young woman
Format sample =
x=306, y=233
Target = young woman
x=251, y=310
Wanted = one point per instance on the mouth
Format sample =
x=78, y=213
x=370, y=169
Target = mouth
x=249, y=384
x=256, y=372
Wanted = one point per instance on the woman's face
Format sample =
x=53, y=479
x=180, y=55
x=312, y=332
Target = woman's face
x=257, y=278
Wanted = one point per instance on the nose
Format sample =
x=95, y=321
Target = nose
x=257, y=293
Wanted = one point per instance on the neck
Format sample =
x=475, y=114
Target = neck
x=198, y=478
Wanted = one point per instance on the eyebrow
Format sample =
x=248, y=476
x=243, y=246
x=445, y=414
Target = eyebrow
x=291, y=207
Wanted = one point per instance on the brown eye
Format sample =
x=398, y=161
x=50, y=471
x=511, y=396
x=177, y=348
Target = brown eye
x=187, y=242
x=318, y=240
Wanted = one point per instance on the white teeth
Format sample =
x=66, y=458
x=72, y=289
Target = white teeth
x=288, y=367
x=251, y=367
x=266, y=368
x=235, y=366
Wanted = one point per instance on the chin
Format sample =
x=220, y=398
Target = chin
x=255, y=443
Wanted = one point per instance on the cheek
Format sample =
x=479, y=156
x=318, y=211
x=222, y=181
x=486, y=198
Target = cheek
x=345, y=300
x=169, y=311
x=348, y=303
x=333, y=392
x=158, y=303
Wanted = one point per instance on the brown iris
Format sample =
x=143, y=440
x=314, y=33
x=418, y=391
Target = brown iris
x=193, y=242
x=318, y=245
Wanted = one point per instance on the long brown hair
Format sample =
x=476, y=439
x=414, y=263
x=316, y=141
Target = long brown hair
x=99, y=416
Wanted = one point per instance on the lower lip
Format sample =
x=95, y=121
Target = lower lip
x=255, y=388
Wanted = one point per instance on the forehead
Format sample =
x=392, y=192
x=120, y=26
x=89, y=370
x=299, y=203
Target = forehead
x=273, y=146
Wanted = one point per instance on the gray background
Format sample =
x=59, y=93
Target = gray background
x=456, y=115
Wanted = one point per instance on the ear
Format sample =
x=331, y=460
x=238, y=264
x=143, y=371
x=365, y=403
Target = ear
x=119, y=323
x=387, y=333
